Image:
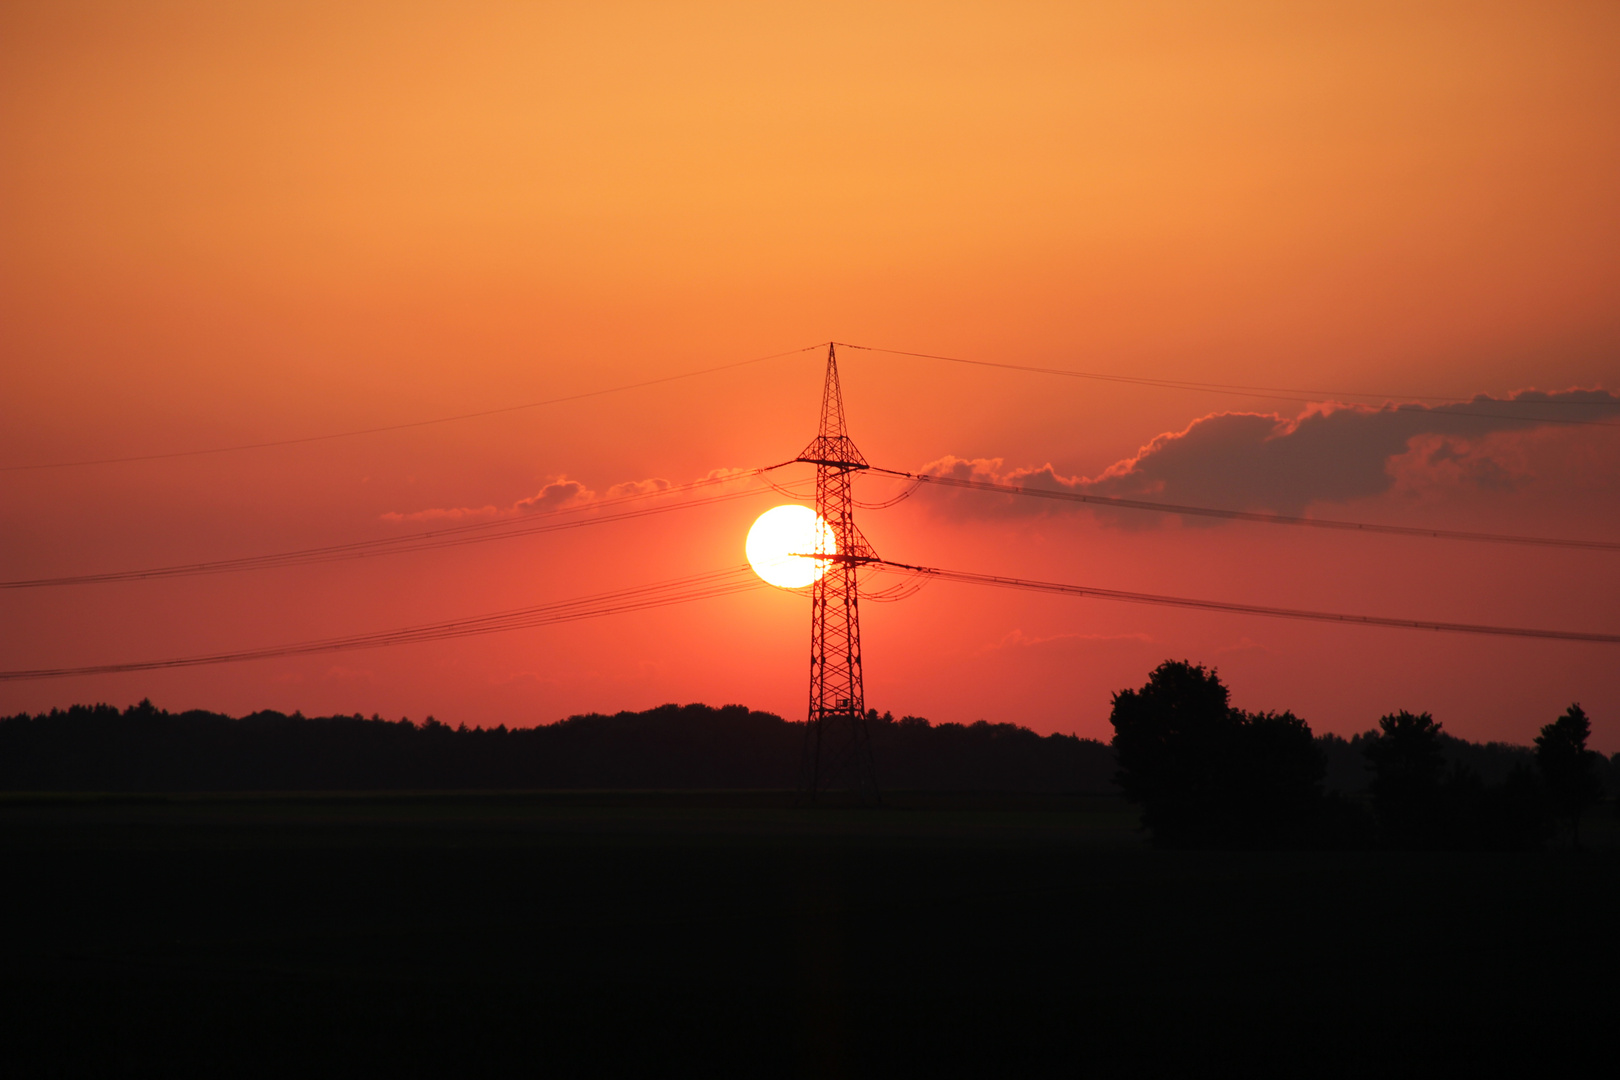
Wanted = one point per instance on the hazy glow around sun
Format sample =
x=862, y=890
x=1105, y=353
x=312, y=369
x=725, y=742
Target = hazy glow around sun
x=777, y=538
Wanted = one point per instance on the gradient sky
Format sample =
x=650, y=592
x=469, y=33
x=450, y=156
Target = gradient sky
x=231, y=223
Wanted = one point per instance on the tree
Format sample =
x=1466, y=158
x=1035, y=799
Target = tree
x=1168, y=738
x=1276, y=772
x=1568, y=768
x=1205, y=773
x=1407, y=768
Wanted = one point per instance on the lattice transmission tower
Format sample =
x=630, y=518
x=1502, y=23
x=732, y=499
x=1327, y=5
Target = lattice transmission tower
x=838, y=742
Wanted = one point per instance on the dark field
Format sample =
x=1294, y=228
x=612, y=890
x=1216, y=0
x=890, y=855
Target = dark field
x=577, y=933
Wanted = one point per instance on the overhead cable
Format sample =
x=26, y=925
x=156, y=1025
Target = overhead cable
x=1249, y=515
x=1247, y=609
x=431, y=540
x=1269, y=392
x=660, y=594
x=408, y=425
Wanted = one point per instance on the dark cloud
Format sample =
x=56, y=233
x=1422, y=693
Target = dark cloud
x=1329, y=453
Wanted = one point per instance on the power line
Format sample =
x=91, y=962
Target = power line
x=432, y=540
x=1234, y=389
x=1250, y=515
x=660, y=594
x=1247, y=609
x=405, y=426
x=1270, y=392
x=483, y=532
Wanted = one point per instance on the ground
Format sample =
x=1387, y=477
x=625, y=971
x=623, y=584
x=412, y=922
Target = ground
x=591, y=932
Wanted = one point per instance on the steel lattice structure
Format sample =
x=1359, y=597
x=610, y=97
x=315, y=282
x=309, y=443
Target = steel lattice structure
x=838, y=745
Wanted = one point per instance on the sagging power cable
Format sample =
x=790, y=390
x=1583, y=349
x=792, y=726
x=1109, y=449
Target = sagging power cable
x=1244, y=609
x=660, y=594
x=1248, y=515
x=329, y=436
x=430, y=540
x=1277, y=393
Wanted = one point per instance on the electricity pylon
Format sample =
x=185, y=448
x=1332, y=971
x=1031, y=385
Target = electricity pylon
x=838, y=743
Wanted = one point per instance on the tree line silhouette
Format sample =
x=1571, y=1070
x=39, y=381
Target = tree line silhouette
x=672, y=747
x=1202, y=773
x=1208, y=775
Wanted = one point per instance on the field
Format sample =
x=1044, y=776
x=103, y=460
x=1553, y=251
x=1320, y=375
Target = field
x=585, y=932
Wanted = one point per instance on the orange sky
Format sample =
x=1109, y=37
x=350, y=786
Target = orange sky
x=231, y=223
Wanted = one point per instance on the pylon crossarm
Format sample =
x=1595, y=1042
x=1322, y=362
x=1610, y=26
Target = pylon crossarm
x=841, y=559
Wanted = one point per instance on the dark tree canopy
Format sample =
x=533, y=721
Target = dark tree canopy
x=1167, y=737
x=1571, y=772
x=1408, y=766
x=1278, y=770
x=1406, y=756
x=1205, y=773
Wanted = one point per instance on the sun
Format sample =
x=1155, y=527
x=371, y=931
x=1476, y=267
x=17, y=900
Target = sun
x=778, y=540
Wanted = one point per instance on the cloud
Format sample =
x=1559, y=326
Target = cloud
x=559, y=494
x=1328, y=453
x=645, y=487
x=638, y=487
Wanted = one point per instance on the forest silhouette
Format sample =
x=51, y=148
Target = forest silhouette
x=672, y=747
x=1202, y=773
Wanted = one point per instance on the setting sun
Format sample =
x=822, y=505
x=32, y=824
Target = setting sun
x=778, y=538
